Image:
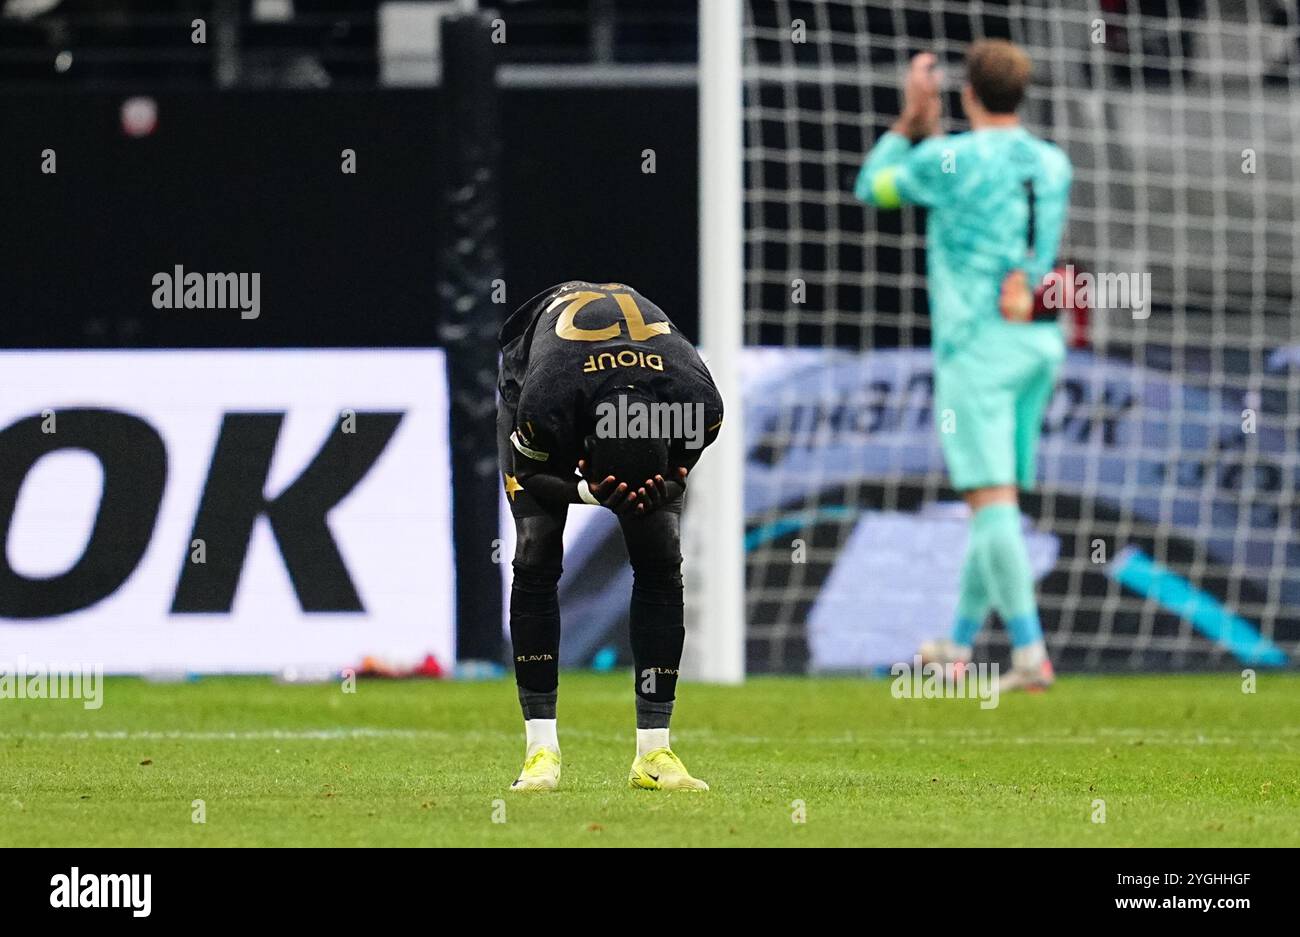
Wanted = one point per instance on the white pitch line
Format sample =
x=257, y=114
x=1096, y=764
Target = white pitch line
x=257, y=735
x=1101, y=736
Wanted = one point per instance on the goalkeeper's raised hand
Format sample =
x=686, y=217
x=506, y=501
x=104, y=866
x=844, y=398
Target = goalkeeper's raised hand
x=922, y=108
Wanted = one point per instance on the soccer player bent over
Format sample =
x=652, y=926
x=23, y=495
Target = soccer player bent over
x=997, y=198
x=603, y=402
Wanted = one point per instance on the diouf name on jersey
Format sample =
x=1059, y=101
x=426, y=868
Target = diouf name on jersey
x=623, y=359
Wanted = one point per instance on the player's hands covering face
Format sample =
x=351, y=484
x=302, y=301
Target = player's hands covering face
x=611, y=493
x=656, y=492
x=622, y=499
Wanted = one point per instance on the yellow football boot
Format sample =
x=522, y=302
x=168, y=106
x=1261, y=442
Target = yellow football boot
x=661, y=770
x=541, y=771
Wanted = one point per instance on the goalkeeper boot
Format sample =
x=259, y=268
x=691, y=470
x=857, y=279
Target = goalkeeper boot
x=945, y=653
x=541, y=771
x=1034, y=675
x=661, y=770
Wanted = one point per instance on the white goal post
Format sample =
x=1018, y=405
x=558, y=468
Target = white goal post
x=715, y=519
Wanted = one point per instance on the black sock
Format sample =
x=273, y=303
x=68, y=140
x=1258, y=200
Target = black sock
x=535, y=636
x=537, y=704
x=657, y=635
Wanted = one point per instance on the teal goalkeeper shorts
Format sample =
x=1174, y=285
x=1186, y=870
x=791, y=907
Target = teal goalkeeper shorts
x=990, y=395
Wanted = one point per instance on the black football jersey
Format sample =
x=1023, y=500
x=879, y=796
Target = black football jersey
x=578, y=343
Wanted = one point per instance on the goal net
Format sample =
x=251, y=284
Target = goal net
x=1163, y=529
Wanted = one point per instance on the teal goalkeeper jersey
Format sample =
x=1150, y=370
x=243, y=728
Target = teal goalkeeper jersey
x=997, y=200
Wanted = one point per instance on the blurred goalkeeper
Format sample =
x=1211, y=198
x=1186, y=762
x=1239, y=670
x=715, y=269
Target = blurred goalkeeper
x=603, y=402
x=997, y=199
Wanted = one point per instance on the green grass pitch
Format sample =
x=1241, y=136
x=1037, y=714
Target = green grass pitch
x=1181, y=760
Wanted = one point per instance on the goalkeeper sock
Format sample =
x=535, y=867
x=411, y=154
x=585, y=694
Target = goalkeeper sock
x=972, y=602
x=1029, y=656
x=1004, y=562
